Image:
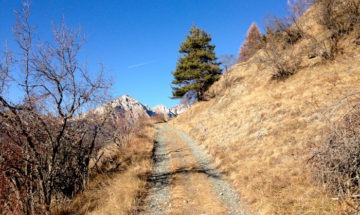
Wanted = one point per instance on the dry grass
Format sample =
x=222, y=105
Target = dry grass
x=262, y=133
x=118, y=191
x=192, y=194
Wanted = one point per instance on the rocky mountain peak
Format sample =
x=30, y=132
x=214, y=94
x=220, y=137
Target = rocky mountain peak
x=131, y=109
x=163, y=110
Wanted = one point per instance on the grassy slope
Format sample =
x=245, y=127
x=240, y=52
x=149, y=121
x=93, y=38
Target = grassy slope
x=262, y=133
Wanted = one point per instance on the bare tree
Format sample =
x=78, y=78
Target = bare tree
x=298, y=7
x=227, y=61
x=45, y=132
x=252, y=43
x=4, y=69
x=189, y=99
x=23, y=36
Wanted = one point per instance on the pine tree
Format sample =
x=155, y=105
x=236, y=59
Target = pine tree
x=197, y=69
x=252, y=43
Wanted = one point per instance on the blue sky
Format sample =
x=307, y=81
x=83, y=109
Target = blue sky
x=138, y=40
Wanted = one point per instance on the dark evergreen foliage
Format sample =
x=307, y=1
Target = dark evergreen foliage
x=198, y=68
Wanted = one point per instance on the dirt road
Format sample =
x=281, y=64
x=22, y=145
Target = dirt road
x=184, y=181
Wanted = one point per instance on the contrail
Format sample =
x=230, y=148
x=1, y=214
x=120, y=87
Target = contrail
x=140, y=64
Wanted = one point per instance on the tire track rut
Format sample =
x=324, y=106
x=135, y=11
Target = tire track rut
x=184, y=180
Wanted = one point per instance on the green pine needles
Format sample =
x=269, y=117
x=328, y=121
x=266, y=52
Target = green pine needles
x=197, y=69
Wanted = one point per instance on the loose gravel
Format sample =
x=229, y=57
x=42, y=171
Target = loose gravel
x=225, y=192
x=159, y=199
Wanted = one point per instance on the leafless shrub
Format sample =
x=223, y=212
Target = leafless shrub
x=341, y=18
x=189, y=98
x=298, y=7
x=285, y=29
x=45, y=145
x=291, y=30
x=121, y=130
x=337, y=163
x=227, y=61
x=280, y=56
x=281, y=37
x=5, y=64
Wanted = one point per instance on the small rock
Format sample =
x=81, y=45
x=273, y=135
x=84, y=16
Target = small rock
x=312, y=55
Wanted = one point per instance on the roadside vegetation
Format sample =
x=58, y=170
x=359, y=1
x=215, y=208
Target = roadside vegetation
x=57, y=155
x=283, y=124
x=46, y=142
x=119, y=176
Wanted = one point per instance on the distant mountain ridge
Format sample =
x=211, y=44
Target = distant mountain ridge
x=132, y=109
x=163, y=110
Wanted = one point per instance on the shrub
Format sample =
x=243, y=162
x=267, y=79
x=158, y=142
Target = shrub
x=341, y=18
x=281, y=36
x=286, y=29
x=45, y=143
x=280, y=56
x=338, y=162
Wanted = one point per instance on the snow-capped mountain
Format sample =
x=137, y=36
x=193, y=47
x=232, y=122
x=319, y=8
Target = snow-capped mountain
x=163, y=110
x=178, y=109
x=125, y=107
x=131, y=109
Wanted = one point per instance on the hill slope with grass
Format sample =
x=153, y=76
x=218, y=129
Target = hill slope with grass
x=282, y=128
x=265, y=133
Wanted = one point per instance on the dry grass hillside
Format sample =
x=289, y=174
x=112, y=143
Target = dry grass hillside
x=262, y=132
